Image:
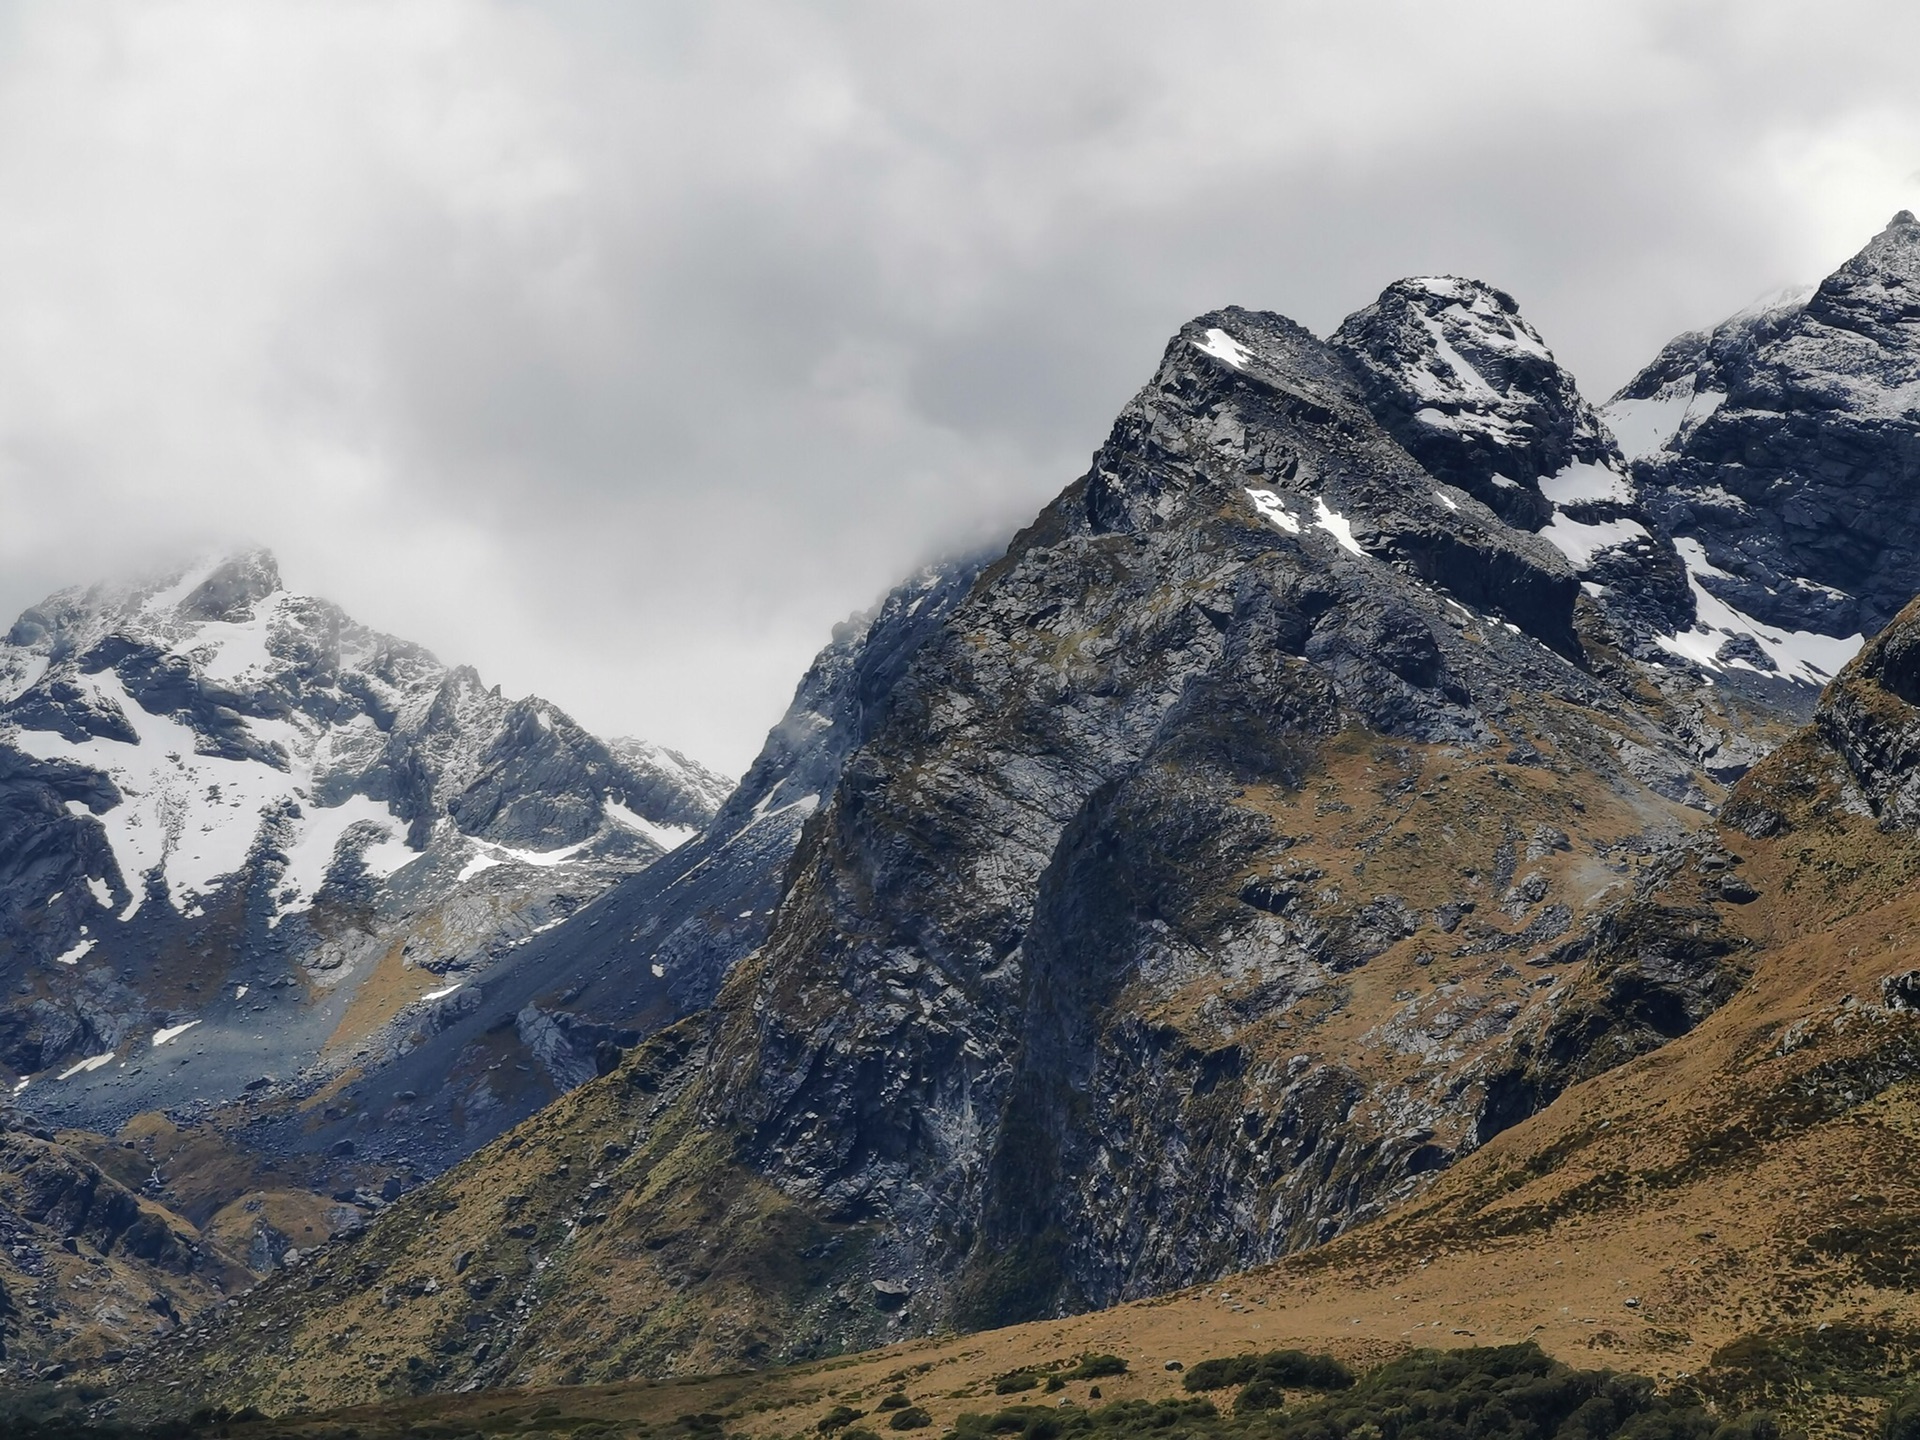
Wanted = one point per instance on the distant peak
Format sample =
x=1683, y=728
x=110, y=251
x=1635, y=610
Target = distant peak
x=233, y=587
x=1905, y=217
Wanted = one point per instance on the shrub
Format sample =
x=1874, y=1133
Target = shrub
x=1901, y=1420
x=1259, y=1396
x=911, y=1418
x=1016, y=1382
x=1092, y=1367
x=1219, y=1374
x=1286, y=1369
x=837, y=1418
x=1030, y=1422
x=896, y=1401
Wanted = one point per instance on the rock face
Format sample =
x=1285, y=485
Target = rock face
x=1455, y=373
x=674, y=930
x=1861, y=756
x=1781, y=451
x=243, y=836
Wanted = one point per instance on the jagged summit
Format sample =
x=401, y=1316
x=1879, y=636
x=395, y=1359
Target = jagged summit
x=1460, y=378
x=1457, y=375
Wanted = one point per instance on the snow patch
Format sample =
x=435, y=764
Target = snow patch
x=1271, y=507
x=75, y=955
x=479, y=864
x=19, y=673
x=102, y=896
x=1335, y=524
x=167, y=600
x=1446, y=500
x=1799, y=654
x=92, y=1062
x=227, y=650
x=317, y=845
x=441, y=994
x=1582, y=483
x=1704, y=404
x=507, y=855
x=1223, y=346
x=667, y=837
x=1643, y=427
x=766, y=809
x=1646, y=427
x=1581, y=542
x=172, y=1032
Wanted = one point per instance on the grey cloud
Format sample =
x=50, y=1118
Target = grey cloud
x=620, y=350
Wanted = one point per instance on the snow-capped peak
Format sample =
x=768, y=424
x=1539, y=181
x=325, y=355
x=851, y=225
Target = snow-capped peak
x=232, y=719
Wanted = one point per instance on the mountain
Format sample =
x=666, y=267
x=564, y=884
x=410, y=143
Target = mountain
x=1317, y=795
x=256, y=860
x=1781, y=452
x=689, y=917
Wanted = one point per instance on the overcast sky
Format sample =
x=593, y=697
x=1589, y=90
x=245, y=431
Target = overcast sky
x=621, y=347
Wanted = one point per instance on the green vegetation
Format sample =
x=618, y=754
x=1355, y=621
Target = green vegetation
x=1088, y=1367
x=1791, y=1365
x=1510, y=1392
x=1902, y=1420
x=1282, y=1369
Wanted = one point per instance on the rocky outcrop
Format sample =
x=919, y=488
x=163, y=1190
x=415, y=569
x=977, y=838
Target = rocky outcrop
x=692, y=915
x=90, y=1267
x=1455, y=373
x=1861, y=756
